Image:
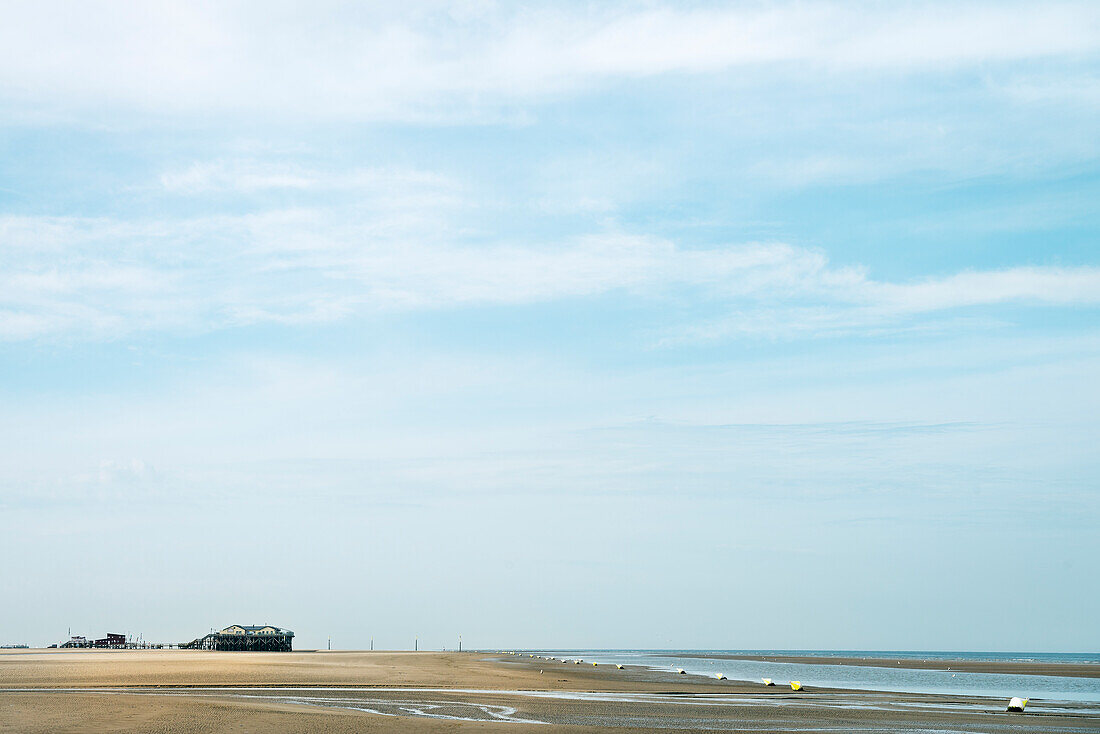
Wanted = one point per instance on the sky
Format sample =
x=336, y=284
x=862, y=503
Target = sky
x=648, y=325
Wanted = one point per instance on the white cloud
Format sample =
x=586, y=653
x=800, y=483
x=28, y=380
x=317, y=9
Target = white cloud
x=1081, y=90
x=820, y=168
x=98, y=278
x=249, y=176
x=204, y=177
x=857, y=304
x=1049, y=285
x=434, y=58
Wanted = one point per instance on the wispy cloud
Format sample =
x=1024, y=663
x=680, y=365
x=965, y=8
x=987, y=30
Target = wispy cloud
x=1043, y=285
x=254, y=175
x=1078, y=89
x=371, y=62
x=861, y=305
x=831, y=428
x=307, y=265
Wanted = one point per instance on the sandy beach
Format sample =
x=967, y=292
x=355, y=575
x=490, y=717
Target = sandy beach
x=126, y=668
x=193, y=691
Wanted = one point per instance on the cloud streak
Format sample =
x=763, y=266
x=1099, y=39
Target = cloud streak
x=254, y=176
x=318, y=265
x=457, y=59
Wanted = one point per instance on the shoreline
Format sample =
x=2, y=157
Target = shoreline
x=1014, y=667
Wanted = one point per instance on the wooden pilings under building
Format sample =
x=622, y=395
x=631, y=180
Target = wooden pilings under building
x=238, y=637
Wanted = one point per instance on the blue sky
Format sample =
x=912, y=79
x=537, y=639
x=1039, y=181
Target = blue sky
x=657, y=325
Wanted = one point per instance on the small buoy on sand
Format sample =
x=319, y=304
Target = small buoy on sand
x=577, y=662
x=681, y=671
x=593, y=665
x=796, y=685
x=1016, y=705
x=619, y=667
x=768, y=681
x=719, y=676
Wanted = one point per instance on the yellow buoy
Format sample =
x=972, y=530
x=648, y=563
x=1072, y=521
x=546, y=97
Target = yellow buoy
x=768, y=681
x=719, y=676
x=593, y=665
x=619, y=667
x=796, y=685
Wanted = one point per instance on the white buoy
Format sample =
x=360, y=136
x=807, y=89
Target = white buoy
x=681, y=671
x=719, y=676
x=619, y=667
x=768, y=681
x=1016, y=705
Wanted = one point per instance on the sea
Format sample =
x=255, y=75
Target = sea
x=867, y=677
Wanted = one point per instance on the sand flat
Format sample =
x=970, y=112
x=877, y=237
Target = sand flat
x=111, y=668
x=51, y=711
x=198, y=691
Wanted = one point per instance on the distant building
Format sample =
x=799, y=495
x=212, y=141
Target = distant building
x=111, y=641
x=245, y=637
x=238, y=629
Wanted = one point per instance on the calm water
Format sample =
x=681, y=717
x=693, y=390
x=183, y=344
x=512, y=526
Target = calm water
x=859, y=677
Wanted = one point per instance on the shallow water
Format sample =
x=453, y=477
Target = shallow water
x=864, y=677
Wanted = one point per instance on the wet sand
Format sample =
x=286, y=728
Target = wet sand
x=1075, y=670
x=195, y=691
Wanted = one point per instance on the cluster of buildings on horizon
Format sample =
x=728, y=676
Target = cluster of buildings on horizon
x=111, y=642
x=236, y=637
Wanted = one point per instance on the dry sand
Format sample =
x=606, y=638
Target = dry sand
x=110, y=668
x=468, y=685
